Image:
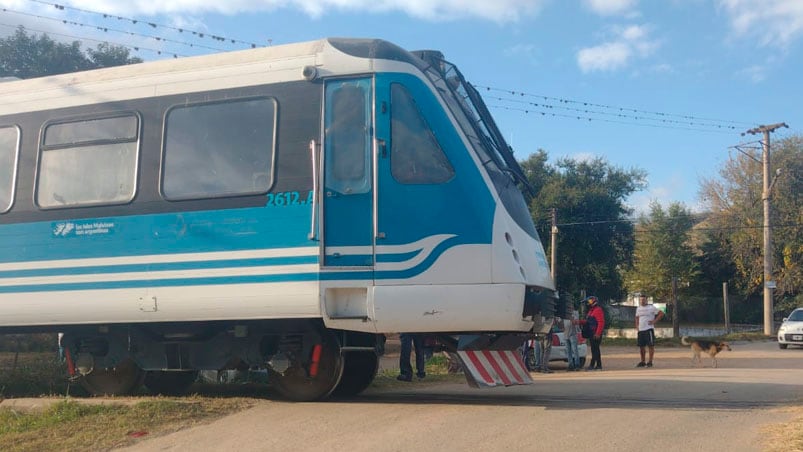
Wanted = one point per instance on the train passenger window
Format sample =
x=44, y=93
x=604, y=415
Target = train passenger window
x=348, y=138
x=219, y=149
x=88, y=162
x=9, y=153
x=415, y=155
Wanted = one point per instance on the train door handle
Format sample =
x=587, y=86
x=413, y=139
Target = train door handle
x=383, y=148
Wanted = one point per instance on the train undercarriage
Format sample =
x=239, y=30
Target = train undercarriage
x=304, y=361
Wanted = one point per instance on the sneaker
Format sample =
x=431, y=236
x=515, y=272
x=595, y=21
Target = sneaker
x=649, y=364
x=405, y=378
x=547, y=371
x=589, y=369
x=641, y=364
x=421, y=376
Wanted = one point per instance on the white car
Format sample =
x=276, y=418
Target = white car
x=791, y=330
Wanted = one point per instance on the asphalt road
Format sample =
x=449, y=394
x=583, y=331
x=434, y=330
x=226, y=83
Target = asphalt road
x=671, y=407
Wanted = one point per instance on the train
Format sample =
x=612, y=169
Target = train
x=284, y=207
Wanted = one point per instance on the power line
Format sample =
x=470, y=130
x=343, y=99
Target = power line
x=107, y=29
x=612, y=121
x=611, y=107
x=82, y=38
x=647, y=229
x=199, y=34
x=619, y=115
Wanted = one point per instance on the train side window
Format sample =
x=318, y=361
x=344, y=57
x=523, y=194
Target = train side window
x=219, y=149
x=415, y=155
x=347, y=139
x=88, y=162
x=9, y=154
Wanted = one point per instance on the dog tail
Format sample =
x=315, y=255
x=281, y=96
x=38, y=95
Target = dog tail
x=684, y=341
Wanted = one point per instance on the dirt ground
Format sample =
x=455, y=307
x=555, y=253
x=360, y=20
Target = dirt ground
x=671, y=407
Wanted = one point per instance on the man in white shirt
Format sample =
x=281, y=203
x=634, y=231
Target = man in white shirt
x=646, y=317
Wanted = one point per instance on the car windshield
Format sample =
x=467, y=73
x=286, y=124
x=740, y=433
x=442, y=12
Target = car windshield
x=797, y=316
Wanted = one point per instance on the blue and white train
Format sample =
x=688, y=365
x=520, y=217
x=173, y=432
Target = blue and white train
x=280, y=207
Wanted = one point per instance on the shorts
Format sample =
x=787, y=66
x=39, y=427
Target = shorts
x=646, y=338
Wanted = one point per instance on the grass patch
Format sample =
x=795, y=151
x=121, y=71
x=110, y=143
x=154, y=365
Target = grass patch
x=69, y=425
x=437, y=369
x=31, y=374
x=748, y=336
x=787, y=436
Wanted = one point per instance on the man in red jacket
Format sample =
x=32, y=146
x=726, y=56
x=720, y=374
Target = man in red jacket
x=596, y=317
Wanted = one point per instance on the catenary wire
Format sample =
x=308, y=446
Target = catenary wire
x=107, y=29
x=199, y=34
x=612, y=107
x=608, y=113
x=82, y=38
x=613, y=121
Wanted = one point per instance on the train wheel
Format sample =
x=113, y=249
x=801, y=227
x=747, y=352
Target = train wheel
x=170, y=382
x=359, y=370
x=297, y=384
x=123, y=379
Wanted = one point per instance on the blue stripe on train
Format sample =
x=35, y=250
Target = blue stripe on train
x=182, y=232
x=244, y=279
x=157, y=267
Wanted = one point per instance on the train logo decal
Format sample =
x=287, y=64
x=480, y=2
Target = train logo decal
x=85, y=228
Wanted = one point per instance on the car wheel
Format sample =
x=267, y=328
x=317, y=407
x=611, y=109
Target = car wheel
x=783, y=346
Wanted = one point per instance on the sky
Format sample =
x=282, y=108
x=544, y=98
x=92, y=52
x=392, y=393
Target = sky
x=664, y=86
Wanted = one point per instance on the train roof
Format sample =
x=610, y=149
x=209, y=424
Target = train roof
x=330, y=56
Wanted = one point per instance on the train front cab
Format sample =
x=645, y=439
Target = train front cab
x=421, y=244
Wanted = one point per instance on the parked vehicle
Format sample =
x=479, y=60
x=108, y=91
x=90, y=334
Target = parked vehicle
x=558, y=352
x=791, y=330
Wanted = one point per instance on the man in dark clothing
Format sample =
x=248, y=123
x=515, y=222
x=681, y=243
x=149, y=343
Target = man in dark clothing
x=595, y=312
x=408, y=341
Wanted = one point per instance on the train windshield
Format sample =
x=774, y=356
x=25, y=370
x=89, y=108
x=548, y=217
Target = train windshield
x=480, y=128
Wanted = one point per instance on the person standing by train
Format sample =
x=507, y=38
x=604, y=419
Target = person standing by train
x=595, y=318
x=647, y=315
x=570, y=335
x=408, y=342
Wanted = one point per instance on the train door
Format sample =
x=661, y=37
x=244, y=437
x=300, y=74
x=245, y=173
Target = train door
x=419, y=206
x=348, y=195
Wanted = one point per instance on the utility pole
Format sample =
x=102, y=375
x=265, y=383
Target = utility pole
x=554, y=247
x=726, y=304
x=769, y=284
x=675, y=310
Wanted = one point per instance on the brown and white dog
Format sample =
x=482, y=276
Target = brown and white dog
x=702, y=346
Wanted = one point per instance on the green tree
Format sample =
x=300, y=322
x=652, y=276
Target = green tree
x=26, y=55
x=595, y=238
x=735, y=203
x=662, y=251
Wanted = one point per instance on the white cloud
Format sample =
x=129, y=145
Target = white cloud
x=611, y=7
x=625, y=44
x=584, y=157
x=773, y=22
x=755, y=73
x=667, y=192
x=497, y=10
x=605, y=57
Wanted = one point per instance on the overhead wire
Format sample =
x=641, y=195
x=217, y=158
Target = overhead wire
x=608, y=113
x=612, y=121
x=658, y=114
x=83, y=38
x=200, y=34
x=107, y=29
